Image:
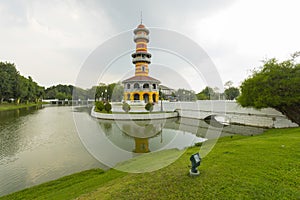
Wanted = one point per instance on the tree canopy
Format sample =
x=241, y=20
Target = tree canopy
x=15, y=87
x=231, y=93
x=277, y=85
x=113, y=92
x=209, y=93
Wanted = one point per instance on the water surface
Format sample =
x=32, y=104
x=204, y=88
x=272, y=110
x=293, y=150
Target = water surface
x=38, y=145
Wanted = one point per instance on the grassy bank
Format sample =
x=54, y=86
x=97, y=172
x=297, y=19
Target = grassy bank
x=240, y=167
x=68, y=187
x=12, y=106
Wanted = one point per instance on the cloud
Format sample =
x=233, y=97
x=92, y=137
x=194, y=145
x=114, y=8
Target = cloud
x=51, y=40
x=245, y=33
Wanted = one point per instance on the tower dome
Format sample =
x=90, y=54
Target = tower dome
x=141, y=26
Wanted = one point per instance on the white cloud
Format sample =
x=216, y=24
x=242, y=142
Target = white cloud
x=238, y=38
x=51, y=40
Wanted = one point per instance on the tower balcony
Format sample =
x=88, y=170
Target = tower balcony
x=141, y=90
x=141, y=59
x=141, y=54
x=145, y=30
x=141, y=36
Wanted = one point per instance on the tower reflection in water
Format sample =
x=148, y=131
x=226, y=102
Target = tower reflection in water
x=139, y=136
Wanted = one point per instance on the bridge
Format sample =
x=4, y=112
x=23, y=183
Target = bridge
x=230, y=111
x=69, y=102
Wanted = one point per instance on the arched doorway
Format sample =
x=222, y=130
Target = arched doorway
x=136, y=97
x=154, y=98
x=146, y=97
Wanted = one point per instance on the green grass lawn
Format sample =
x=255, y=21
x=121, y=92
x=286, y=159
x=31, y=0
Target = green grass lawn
x=12, y=106
x=240, y=167
x=68, y=187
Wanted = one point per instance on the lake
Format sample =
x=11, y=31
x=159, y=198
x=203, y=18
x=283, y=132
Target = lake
x=42, y=144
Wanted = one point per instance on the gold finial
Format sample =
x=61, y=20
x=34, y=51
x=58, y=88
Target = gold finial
x=141, y=17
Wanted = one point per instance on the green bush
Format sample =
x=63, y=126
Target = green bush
x=149, y=107
x=107, y=107
x=99, y=105
x=126, y=107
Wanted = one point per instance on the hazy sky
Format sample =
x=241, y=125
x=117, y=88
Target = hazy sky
x=51, y=40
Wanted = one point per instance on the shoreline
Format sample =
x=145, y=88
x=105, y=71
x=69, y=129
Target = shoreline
x=242, y=154
x=133, y=116
x=13, y=106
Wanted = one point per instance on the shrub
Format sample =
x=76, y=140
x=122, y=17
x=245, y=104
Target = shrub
x=99, y=105
x=126, y=107
x=149, y=107
x=107, y=107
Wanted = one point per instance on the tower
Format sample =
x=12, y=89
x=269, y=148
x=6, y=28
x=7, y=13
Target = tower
x=141, y=58
x=141, y=87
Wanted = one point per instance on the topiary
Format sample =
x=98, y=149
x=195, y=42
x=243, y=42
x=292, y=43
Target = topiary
x=107, y=107
x=126, y=107
x=99, y=105
x=149, y=106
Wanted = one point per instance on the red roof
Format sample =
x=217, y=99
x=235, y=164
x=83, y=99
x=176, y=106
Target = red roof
x=141, y=78
x=141, y=26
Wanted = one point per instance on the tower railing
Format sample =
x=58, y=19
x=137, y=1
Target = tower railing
x=141, y=36
x=141, y=90
x=141, y=59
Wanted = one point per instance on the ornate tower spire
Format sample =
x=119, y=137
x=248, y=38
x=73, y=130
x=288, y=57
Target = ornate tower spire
x=141, y=58
x=141, y=87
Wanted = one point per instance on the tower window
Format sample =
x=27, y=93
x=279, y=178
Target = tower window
x=128, y=86
x=146, y=85
x=136, y=85
x=143, y=68
x=154, y=86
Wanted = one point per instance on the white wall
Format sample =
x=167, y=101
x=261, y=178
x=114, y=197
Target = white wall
x=232, y=111
x=229, y=109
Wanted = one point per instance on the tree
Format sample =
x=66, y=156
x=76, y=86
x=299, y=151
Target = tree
x=64, y=92
x=206, y=94
x=117, y=92
x=8, y=81
x=99, y=105
x=231, y=93
x=14, y=86
x=100, y=91
x=60, y=96
x=22, y=89
x=276, y=85
x=107, y=107
x=149, y=107
x=228, y=84
x=91, y=93
x=126, y=107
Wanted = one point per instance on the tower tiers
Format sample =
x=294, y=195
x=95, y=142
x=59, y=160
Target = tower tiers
x=141, y=87
x=140, y=57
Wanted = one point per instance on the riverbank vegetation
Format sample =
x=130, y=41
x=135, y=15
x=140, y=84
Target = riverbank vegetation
x=276, y=85
x=15, y=87
x=11, y=106
x=265, y=166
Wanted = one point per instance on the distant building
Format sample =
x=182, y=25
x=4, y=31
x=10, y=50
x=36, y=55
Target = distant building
x=141, y=87
x=169, y=93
